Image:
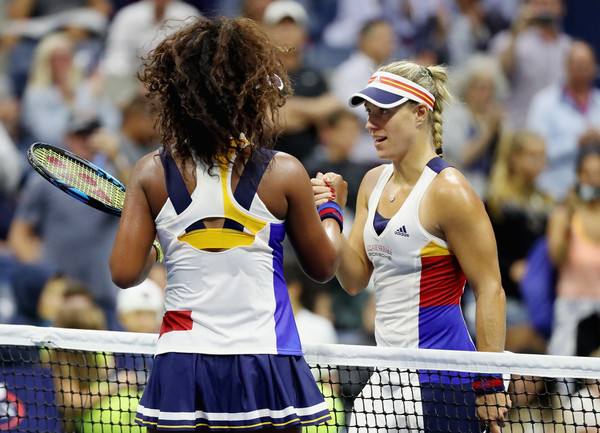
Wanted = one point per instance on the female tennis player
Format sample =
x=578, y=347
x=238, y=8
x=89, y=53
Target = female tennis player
x=419, y=231
x=228, y=355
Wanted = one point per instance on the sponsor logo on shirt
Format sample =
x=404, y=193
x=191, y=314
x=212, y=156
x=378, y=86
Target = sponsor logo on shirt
x=401, y=231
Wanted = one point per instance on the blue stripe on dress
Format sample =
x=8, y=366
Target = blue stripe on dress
x=251, y=177
x=288, y=339
x=176, y=189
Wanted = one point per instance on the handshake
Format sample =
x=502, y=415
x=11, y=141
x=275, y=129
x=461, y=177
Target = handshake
x=329, y=187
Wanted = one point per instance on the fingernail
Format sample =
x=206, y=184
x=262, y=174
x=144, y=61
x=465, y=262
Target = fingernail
x=333, y=194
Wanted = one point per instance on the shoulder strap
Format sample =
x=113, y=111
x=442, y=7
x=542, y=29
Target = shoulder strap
x=377, y=190
x=253, y=172
x=437, y=164
x=178, y=194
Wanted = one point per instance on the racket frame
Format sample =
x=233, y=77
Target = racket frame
x=68, y=188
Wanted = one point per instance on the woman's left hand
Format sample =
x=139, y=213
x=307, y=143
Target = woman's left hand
x=492, y=410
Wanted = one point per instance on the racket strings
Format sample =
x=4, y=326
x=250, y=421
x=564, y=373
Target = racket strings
x=81, y=177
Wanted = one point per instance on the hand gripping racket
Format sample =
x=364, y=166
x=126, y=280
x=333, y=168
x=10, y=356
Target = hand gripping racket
x=77, y=177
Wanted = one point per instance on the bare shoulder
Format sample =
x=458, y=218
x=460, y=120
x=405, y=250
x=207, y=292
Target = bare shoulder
x=147, y=166
x=450, y=188
x=450, y=202
x=283, y=162
x=148, y=179
x=285, y=173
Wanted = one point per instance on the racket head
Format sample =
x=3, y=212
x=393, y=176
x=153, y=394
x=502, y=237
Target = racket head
x=77, y=177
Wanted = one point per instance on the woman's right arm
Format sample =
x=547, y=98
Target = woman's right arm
x=355, y=269
x=317, y=243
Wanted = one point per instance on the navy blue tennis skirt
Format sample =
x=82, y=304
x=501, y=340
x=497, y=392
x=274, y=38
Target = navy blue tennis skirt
x=189, y=391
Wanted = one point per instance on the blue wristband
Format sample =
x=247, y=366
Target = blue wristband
x=333, y=210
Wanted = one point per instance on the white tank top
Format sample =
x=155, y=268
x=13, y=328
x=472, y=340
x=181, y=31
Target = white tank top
x=418, y=281
x=233, y=301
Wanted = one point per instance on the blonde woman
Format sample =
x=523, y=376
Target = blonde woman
x=474, y=127
x=519, y=213
x=56, y=88
x=420, y=233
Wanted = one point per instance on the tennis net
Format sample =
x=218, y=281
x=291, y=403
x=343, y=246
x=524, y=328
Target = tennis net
x=67, y=380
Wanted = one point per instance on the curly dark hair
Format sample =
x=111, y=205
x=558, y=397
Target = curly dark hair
x=213, y=81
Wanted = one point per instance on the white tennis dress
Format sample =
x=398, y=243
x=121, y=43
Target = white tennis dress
x=228, y=355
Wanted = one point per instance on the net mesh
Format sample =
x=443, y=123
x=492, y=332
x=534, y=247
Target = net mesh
x=80, y=176
x=65, y=380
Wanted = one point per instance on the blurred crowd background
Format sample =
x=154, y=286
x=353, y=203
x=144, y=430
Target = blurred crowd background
x=524, y=129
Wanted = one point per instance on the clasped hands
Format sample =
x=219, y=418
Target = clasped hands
x=329, y=187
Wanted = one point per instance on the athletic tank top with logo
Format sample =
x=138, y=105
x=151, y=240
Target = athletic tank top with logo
x=418, y=281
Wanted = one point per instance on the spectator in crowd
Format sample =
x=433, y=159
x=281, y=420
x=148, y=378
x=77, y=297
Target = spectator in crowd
x=53, y=228
x=420, y=25
x=474, y=127
x=28, y=282
x=351, y=15
x=574, y=247
x=253, y=9
x=56, y=88
x=11, y=168
x=376, y=44
x=285, y=22
x=137, y=134
x=140, y=307
x=140, y=310
x=80, y=378
x=470, y=32
x=10, y=163
x=29, y=21
x=501, y=12
x=338, y=134
x=135, y=138
x=416, y=23
x=532, y=54
x=519, y=212
x=134, y=31
x=567, y=115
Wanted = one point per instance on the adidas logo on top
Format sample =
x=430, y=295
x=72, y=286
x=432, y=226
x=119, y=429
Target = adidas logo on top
x=401, y=231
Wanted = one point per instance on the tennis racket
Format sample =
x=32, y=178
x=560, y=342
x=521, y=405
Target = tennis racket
x=77, y=177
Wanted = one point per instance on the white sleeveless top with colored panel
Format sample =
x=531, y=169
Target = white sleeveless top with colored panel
x=418, y=281
x=233, y=301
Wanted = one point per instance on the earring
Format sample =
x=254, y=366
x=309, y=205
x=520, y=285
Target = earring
x=419, y=124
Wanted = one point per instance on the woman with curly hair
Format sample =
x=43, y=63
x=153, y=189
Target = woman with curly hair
x=221, y=201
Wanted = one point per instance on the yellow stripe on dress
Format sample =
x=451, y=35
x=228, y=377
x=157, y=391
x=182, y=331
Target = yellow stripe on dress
x=222, y=237
x=431, y=249
x=217, y=238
